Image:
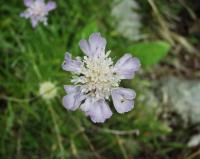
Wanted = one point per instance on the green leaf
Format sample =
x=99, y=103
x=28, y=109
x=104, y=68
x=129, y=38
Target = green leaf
x=150, y=53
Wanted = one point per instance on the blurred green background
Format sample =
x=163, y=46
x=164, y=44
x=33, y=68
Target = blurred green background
x=164, y=34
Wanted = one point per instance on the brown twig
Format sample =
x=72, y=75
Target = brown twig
x=196, y=154
x=121, y=146
x=169, y=35
x=120, y=132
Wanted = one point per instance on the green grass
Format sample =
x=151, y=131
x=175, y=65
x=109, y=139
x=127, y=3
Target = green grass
x=33, y=128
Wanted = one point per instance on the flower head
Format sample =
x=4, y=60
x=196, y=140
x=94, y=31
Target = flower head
x=127, y=19
x=47, y=90
x=96, y=78
x=37, y=11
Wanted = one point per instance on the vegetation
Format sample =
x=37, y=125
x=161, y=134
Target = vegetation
x=32, y=127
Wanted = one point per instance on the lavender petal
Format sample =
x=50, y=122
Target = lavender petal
x=28, y=3
x=24, y=15
x=87, y=105
x=126, y=66
x=50, y=6
x=34, y=22
x=84, y=46
x=70, y=88
x=97, y=44
x=94, y=46
x=74, y=98
x=123, y=99
x=98, y=111
x=71, y=65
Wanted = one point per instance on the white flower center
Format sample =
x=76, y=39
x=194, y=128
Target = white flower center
x=38, y=9
x=97, y=77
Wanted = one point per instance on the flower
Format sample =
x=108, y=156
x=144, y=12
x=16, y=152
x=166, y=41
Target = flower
x=47, y=90
x=194, y=141
x=127, y=20
x=96, y=78
x=37, y=11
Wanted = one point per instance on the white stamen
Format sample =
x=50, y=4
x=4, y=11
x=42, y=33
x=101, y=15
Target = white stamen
x=97, y=77
x=38, y=9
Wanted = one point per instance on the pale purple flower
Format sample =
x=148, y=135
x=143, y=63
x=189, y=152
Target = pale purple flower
x=37, y=11
x=96, y=79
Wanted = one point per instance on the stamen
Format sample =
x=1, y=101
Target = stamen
x=98, y=77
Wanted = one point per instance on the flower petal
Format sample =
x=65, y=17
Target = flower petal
x=50, y=6
x=84, y=46
x=106, y=112
x=126, y=66
x=123, y=99
x=98, y=111
x=39, y=1
x=96, y=41
x=71, y=65
x=74, y=98
x=25, y=15
x=97, y=44
x=34, y=22
x=86, y=106
x=70, y=88
x=28, y=3
x=94, y=46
